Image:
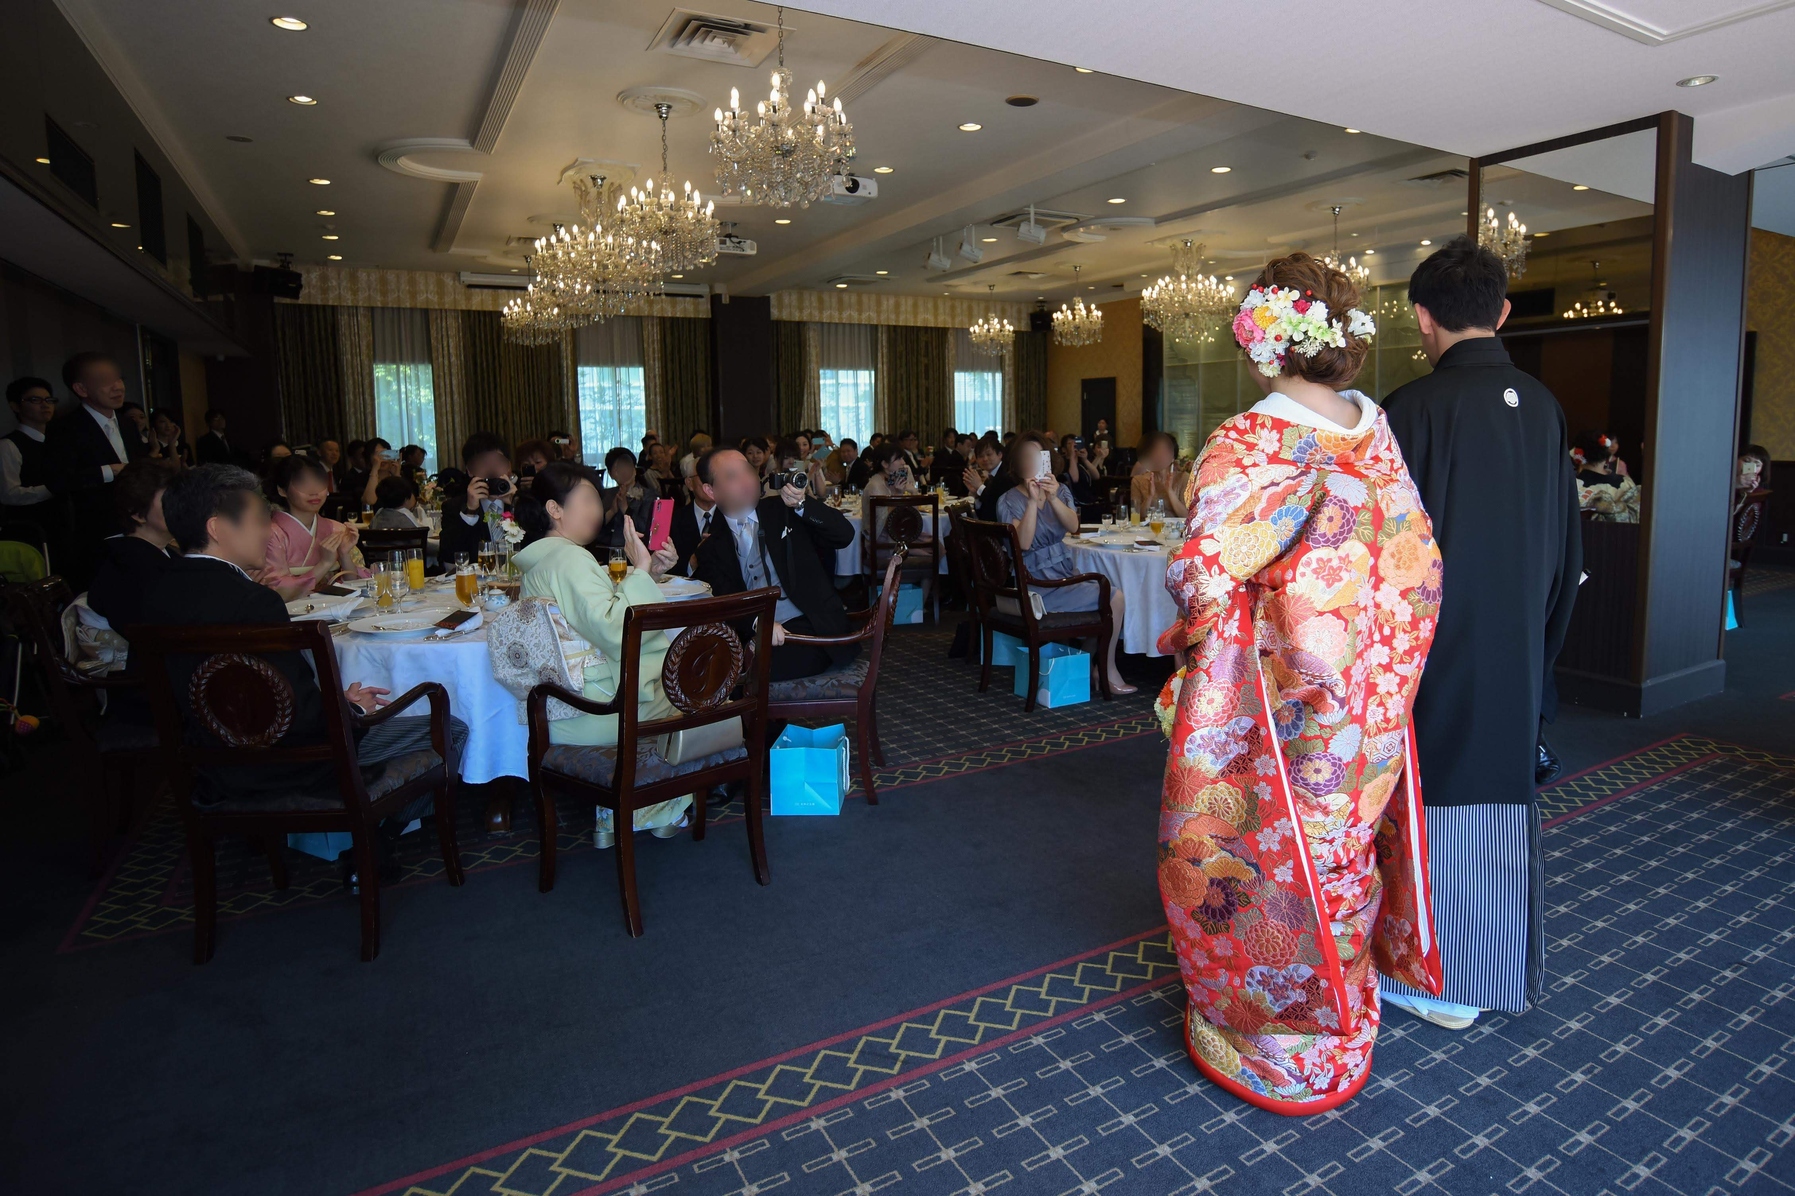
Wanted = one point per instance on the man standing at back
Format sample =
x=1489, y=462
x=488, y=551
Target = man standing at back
x=1486, y=446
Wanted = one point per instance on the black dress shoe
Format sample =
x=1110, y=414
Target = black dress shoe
x=1547, y=767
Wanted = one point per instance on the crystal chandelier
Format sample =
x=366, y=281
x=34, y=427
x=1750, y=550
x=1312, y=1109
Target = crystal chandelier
x=1506, y=241
x=595, y=272
x=533, y=318
x=1597, y=301
x=685, y=231
x=788, y=155
x=1183, y=304
x=1078, y=324
x=991, y=336
x=1359, y=276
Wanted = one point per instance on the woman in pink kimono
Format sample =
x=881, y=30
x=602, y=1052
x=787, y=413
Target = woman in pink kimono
x=1291, y=843
x=305, y=550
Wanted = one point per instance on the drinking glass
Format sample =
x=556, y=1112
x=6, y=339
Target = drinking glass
x=619, y=565
x=467, y=582
x=1108, y=524
x=1122, y=516
x=384, y=579
x=488, y=556
x=414, y=570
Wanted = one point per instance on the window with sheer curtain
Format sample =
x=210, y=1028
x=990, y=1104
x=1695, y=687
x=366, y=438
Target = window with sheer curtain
x=404, y=392
x=847, y=371
x=978, y=388
x=613, y=400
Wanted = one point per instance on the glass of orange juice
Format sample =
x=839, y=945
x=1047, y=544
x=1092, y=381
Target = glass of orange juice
x=414, y=570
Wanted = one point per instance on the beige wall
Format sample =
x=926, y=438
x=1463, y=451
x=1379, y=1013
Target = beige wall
x=1117, y=355
x=193, y=396
x=1770, y=312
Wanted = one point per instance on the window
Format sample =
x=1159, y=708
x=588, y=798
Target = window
x=978, y=388
x=70, y=164
x=197, y=269
x=151, y=231
x=846, y=379
x=404, y=391
x=613, y=398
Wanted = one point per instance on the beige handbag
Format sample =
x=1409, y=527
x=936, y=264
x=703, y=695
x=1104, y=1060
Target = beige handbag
x=695, y=743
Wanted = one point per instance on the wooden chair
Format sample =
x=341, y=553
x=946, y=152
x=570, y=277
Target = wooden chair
x=1110, y=490
x=992, y=548
x=893, y=525
x=245, y=706
x=849, y=692
x=1748, y=524
x=111, y=754
x=959, y=571
x=710, y=677
x=344, y=508
x=376, y=542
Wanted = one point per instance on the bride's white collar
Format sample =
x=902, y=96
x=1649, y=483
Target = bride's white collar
x=1281, y=406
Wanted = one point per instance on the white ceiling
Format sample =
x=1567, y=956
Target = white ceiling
x=535, y=82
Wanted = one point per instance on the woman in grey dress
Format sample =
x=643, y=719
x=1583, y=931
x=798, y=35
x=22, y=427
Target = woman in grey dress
x=1041, y=510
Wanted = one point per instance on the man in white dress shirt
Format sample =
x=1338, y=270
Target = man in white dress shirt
x=24, y=468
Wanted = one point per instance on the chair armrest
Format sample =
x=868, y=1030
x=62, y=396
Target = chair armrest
x=829, y=641
x=102, y=681
x=439, y=698
x=1054, y=583
x=579, y=702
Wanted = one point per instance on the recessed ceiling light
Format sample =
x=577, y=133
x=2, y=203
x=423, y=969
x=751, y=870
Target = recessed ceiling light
x=841, y=286
x=1697, y=80
x=1022, y=101
x=325, y=212
x=1227, y=278
x=330, y=237
x=1579, y=186
x=1220, y=169
x=319, y=182
x=1369, y=252
x=116, y=224
x=1118, y=199
x=240, y=140
x=881, y=272
x=43, y=161
x=882, y=170
x=1355, y=130
x=307, y=101
x=971, y=126
x=989, y=240
x=1084, y=70
x=515, y=270
x=336, y=257
x=1425, y=241
x=1356, y=234
x=783, y=220
x=291, y=24
x=1542, y=234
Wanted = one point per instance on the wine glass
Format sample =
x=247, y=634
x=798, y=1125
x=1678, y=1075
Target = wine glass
x=618, y=565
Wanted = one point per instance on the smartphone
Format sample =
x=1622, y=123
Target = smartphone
x=662, y=525
x=456, y=618
x=1043, y=463
x=388, y=455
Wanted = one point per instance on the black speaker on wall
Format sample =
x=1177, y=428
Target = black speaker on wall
x=282, y=284
x=1040, y=321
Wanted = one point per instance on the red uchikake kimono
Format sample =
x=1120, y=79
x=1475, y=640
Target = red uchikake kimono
x=1310, y=586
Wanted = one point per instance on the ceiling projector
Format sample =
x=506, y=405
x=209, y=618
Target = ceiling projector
x=851, y=189
x=936, y=259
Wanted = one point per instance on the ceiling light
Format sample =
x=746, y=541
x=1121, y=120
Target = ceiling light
x=1356, y=234
x=841, y=286
x=1369, y=252
x=329, y=237
x=1542, y=234
x=336, y=257
x=1425, y=241
x=783, y=220
x=1220, y=169
x=1579, y=186
x=1355, y=130
x=319, y=182
x=881, y=272
x=882, y=170
x=1022, y=101
x=675, y=276
x=1227, y=278
x=1697, y=80
x=116, y=224
x=290, y=24
x=971, y=126
x=989, y=240
x=1118, y=199
x=43, y=161
x=325, y=212
x=515, y=270
x=307, y=101
x=1084, y=70
x=785, y=152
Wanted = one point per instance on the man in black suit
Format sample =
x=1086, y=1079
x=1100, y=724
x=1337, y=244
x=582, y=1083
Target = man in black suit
x=785, y=540
x=986, y=479
x=487, y=460
x=213, y=448
x=692, y=522
x=85, y=450
x=218, y=515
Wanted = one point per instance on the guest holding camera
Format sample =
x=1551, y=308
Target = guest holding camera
x=486, y=460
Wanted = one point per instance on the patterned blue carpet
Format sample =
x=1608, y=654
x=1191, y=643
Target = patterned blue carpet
x=1659, y=1061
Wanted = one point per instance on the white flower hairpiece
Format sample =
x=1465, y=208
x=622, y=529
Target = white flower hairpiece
x=1274, y=320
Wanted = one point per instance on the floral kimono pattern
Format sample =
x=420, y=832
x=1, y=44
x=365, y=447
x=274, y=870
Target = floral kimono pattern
x=1292, y=847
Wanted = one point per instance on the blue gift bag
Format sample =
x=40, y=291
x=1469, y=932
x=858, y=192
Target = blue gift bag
x=1732, y=620
x=326, y=845
x=809, y=770
x=1006, y=650
x=1065, y=676
x=909, y=603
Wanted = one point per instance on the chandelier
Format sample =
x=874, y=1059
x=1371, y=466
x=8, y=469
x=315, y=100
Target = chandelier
x=1078, y=324
x=991, y=336
x=788, y=155
x=1596, y=302
x=533, y=318
x=685, y=232
x=595, y=272
x=1506, y=241
x=1359, y=276
x=1184, y=304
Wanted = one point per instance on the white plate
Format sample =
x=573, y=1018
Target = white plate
x=673, y=589
x=326, y=607
x=395, y=625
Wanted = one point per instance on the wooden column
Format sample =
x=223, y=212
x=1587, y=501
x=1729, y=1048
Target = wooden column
x=742, y=368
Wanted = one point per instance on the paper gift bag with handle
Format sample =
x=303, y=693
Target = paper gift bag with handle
x=809, y=770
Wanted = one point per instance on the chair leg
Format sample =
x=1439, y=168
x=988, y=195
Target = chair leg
x=201, y=855
x=1034, y=677
x=872, y=731
x=447, y=838
x=985, y=658
x=626, y=871
x=863, y=738
x=699, y=816
x=757, y=840
x=367, y=867
x=277, y=863
x=548, y=829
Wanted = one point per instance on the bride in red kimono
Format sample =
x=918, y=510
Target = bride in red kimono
x=1292, y=852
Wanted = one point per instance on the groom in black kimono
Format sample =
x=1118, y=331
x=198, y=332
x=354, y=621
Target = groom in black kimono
x=1486, y=446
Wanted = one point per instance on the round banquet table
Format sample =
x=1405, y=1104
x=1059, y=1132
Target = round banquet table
x=1141, y=576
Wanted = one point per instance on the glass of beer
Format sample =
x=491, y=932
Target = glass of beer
x=619, y=566
x=467, y=583
x=488, y=554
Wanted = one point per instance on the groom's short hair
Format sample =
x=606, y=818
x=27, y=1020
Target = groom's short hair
x=1461, y=284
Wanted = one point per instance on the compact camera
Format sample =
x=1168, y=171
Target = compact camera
x=497, y=487
x=784, y=478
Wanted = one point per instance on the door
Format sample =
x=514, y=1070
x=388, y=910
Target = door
x=1097, y=401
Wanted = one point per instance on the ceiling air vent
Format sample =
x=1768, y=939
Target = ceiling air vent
x=1441, y=177
x=848, y=281
x=715, y=39
x=1031, y=274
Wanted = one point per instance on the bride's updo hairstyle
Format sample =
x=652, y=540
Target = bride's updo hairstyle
x=1331, y=366
x=554, y=482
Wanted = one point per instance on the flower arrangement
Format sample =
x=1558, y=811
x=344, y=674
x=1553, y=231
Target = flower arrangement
x=1274, y=320
x=509, y=529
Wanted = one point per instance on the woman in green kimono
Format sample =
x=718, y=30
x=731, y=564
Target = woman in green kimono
x=560, y=513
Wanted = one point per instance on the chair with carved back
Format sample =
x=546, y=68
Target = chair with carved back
x=240, y=707
x=344, y=508
x=376, y=543
x=907, y=525
x=849, y=692
x=111, y=753
x=710, y=677
x=1003, y=601
x=1748, y=524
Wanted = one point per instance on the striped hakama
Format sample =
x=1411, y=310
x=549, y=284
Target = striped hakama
x=1485, y=868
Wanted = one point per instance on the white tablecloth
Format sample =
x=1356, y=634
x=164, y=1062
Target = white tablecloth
x=1141, y=576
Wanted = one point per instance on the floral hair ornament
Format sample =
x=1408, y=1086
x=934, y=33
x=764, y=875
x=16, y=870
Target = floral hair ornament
x=1274, y=320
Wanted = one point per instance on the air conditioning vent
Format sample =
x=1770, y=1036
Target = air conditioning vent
x=1441, y=177
x=715, y=39
x=1043, y=216
x=849, y=281
x=1029, y=274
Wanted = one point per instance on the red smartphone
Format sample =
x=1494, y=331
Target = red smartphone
x=662, y=525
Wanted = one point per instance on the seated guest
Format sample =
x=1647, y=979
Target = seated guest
x=330, y=455
x=276, y=452
x=693, y=520
x=395, y=506
x=986, y=479
x=787, y=540
x=1040, y=508
x=700, y=443
x=860, y=469
x=24, y=467
x=1752, y=478
x=1157, y=477
x=216, y=513
x=946, y=460
x=355, y=468
x=788, y=457
x=137, y=423
x=758, y=452
x=560, y=512
x=487, y=463
x=660, y=470
x=130, y=561
x=213, y=448
x=626, y=499
x=533, y=456
x=168, y=441
x=411, y=463
x=305, y=550
x=1081, y=473
x=1595, y=461
x=383, y=463
x=840, y=461
x=562, y=444
x=909, y=442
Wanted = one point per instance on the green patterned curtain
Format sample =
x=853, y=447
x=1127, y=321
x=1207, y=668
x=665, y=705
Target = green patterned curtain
x=518, y=391
x=686, y=374
x=1031, y=381
x=791, y=374
x=308, y=366
x=919, y=383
